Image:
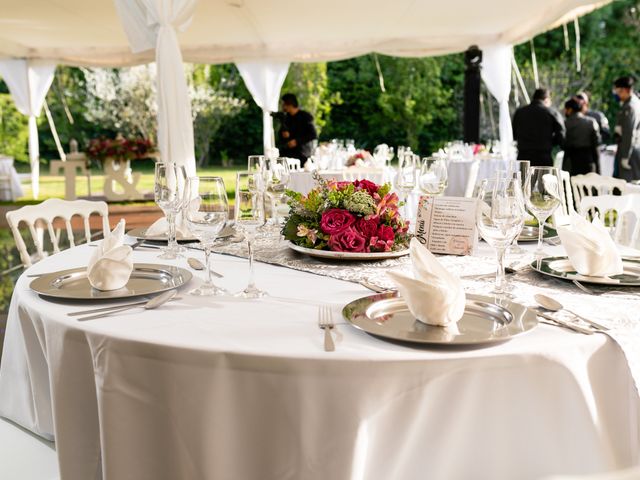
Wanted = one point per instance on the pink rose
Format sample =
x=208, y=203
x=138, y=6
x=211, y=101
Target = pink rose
x=336, y=220
x=377, y=245
x=348, y=240
x=386, y=233
x=367, y=185
x=367, y=227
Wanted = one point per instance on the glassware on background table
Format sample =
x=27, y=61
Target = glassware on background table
x=521, y=167
x=500, y=218
x=542, y=196
x=255, y=163
x=170, y=180
x=206, y=213
x=390, y=156
x=249, y=217
x=407, y=176
x=433, y=176
x=276, y=177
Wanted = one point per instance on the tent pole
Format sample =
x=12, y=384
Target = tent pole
x=534, y=64
x=54, y=131
x=514, y=64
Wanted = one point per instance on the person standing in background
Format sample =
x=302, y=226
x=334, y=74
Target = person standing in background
x=600, y=118
x=538, y=128
x=297, y=131
x=581, y=140
x=627, y=134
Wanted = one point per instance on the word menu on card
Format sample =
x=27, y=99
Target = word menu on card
x=447, y=225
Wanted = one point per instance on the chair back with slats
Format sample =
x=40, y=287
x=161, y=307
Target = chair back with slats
x=594, y=184
x=620, y=213
x=562, y=214
x=35, y=216
x=294, y=164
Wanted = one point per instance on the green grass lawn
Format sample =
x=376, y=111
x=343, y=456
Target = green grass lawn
x=53, y=186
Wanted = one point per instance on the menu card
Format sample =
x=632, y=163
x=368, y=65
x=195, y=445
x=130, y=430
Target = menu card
x=447, y=224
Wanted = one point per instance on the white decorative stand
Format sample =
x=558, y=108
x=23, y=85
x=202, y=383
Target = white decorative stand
x=119, y=172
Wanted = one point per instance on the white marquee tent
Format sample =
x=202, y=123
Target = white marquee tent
x=262, y=37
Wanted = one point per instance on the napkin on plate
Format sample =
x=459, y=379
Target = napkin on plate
x=434, y=295
x=161, y=227
x=590, y=248
x=111, y=264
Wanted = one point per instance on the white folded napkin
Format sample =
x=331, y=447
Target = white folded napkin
x=590, y=248
x=161, y=227
x=434, y=296
x=111, y=264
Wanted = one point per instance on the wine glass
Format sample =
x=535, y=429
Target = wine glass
x=521, y=167
x=276, y=176
x=249, y=216
x=390, y=156
x=542, y=195
x=170, y=180
x=206, y=213
x=406, y=176
x=433, y=176
x=255, y=163
x=500, y=218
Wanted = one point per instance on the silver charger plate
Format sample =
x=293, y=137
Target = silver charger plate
x=484, y=322
x=530, y=234
x=560, y=267
x=146, y=279
x=141, y=233
x=352, y=256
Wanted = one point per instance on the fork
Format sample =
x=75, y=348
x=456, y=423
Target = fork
x=325, y=322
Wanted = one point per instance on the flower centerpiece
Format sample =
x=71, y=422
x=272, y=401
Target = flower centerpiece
x=119, y=148
x=359, y=217
x=359, y=159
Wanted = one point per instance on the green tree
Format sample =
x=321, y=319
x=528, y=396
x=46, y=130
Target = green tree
x=14, y=130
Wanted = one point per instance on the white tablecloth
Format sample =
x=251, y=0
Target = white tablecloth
x=229, y=389
x=7, y=169
x=458, y=174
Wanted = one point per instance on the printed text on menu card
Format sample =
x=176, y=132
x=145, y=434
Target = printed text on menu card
x=447, y=225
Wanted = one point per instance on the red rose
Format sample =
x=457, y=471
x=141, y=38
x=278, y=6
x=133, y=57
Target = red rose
x=377, y=245
x=386, y=233
x=367, y=227
x=370, y=187
x=348, y=240
x=336, y=220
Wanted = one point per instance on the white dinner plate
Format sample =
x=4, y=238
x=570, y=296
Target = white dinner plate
x=351, y=256
x=141, y=233
x=560, y=267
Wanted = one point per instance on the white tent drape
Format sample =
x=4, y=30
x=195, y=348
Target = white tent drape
x=496, y=74
x=154, y=24
x=264, y=81
x=29, y=82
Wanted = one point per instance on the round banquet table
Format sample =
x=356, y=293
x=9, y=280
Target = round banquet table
x=224, y=388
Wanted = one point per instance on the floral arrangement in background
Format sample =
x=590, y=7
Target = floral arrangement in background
x=358, y=216
x=119, y=148
x=359, y=159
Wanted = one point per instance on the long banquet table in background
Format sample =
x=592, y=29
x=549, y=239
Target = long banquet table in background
x=226, y=388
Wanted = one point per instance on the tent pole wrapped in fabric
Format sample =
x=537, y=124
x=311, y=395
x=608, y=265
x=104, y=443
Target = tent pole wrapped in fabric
x=264, y=81
x=496, y=74
x=29, y=82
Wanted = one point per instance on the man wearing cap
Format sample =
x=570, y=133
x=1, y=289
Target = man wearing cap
x=627, y=130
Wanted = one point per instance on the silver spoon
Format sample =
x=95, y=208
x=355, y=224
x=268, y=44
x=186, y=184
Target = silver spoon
x=198, y=265
x=553, y=305
x=155, y=302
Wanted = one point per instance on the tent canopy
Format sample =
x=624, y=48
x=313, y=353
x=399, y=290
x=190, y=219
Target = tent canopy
x=81, y=32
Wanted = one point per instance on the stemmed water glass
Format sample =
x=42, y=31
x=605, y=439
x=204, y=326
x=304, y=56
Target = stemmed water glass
x=255, y=163
x=521, y=167
x=406, y=177
x=206, y=213
x=433, y=176
x=276, y=177
x=170, y=180
x=249, y=217
x=542, y=195
x=500, y=218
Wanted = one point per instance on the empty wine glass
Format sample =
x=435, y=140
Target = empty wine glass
x=206, y=213
x=276, y=176
x=433, y=176
x=255, y=163
x=500, y=218
x=249, y=217
x=542, y=195
x=406, y=176
x=390, y=156
x=521, y=167
x=170, y=180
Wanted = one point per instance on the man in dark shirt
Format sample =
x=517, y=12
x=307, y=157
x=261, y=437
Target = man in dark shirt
x=297, y=131
x=581, y=141
x=538, y=128
x=627, y=131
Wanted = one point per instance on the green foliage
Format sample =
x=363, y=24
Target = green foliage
x=14, y=130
